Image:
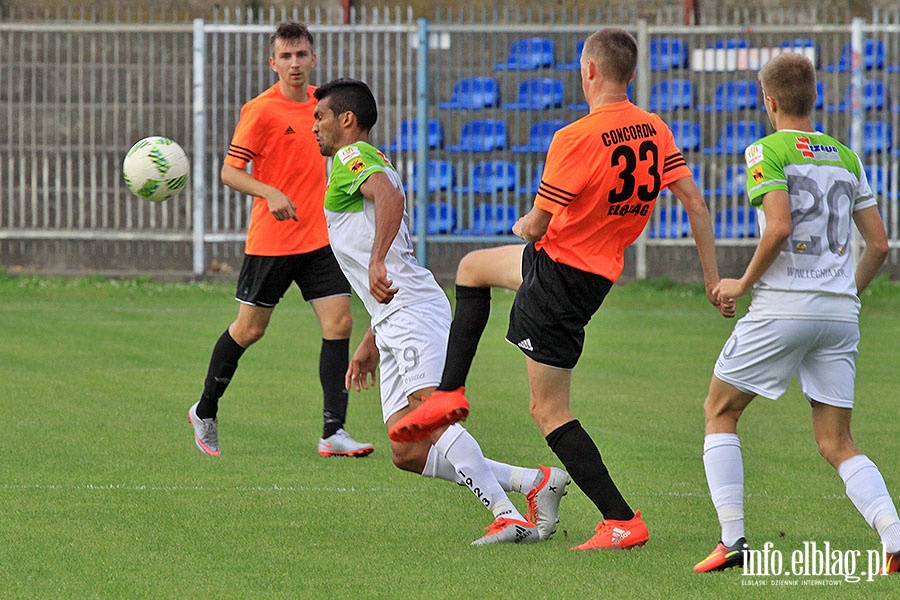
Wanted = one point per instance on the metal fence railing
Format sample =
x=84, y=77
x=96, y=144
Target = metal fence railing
x=75, y=96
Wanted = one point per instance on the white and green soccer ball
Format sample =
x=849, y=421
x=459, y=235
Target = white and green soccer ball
x=156, y=169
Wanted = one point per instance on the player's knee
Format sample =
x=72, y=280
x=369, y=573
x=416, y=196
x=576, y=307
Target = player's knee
x=836, y=449
x=337, y=326
x=716, y=411
x=245, y=335
x=467, y=271
x=343, y=326
x=409, y=457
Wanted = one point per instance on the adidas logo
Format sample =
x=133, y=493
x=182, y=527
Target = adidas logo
x=525, y=344
x=289, y=131
x=619, y=535
x=522, y=534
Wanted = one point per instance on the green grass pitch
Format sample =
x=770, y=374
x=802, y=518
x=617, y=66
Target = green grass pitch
x=104, y=495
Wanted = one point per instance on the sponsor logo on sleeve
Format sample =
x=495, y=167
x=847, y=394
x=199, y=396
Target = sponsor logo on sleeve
x=757, y=173
x=357, y=166
x=753, y=154
x=347, y=153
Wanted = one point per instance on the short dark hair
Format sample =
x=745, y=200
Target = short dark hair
x=352, y=95
x=614, y=51
x=290, y=30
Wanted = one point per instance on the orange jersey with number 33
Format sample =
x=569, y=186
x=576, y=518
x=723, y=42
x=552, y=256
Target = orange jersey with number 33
x=601, y=179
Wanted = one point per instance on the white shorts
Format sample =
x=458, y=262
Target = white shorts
x=412, y=343
x=762, y=356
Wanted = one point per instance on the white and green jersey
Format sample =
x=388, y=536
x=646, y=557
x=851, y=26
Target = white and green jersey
x=351, y=229
x=813, y=276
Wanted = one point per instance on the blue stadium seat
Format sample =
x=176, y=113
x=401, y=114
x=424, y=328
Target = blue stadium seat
x=673, y=223
x=737, y=222
x=671, y=94
x=735, y=137
x=481, y=135
x=492, y=219
x=537, y=94
x=539, y=136
x=697, y=173
x=800, y=45
x=441, y=176
x=687, y=135
x=733, y=95
x=472, y=93
x=575, y=63
x=874, y=97
x=536, y=179
x=733, y=181
x=877, y=137
x=408, y=137
x=668, y=53
x=820, y=95
x=873, y=57
x=879, y=177
x=528, y=54
x=441, y=218
x=728, y=44
x=491, y=176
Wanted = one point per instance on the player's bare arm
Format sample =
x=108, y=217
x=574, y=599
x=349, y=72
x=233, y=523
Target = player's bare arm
x=389, y=203
x=532, y=226
x=687, y=192
x=363, y=364
x=870, y=225
x=281, y=207
x=777, y=207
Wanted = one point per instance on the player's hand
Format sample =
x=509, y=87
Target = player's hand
x=724, y=306
x=379, y=284
x=281, y=207
x=727, y=290
x=517, y=228
x=362, y=370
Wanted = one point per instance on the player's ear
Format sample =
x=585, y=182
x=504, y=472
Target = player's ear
x=272, y=62
x=348, y=119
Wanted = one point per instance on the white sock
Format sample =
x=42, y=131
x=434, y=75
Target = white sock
x=510, y=477
x=725, y=477
x=460, y=448
x=515, y=479
x=866, y=489
x=439, y=467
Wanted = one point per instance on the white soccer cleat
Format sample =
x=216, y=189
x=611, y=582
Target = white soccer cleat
x=509, y=531
x=206, y=432
x=342, y=443
x=543, y=500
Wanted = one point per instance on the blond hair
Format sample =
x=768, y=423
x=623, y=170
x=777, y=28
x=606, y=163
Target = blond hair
x=791, y=80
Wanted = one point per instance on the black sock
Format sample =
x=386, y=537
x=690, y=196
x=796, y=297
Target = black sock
x=333, y=362
x=473, y=308
x=577, y=451
x=222, y=365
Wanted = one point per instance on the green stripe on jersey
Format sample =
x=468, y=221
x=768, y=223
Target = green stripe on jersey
x=789, y=151
x=352, y=165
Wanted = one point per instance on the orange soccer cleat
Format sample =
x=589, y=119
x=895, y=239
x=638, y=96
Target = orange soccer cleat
x=618, y=535
x=439, y=409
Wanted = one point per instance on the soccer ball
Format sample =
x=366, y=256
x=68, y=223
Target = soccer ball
x=156, y=169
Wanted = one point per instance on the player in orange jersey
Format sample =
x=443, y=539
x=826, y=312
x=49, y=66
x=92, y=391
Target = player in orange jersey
x=287, y=241
x=602, y=176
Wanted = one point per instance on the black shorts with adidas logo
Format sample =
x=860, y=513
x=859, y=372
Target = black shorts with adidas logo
x=551, y=309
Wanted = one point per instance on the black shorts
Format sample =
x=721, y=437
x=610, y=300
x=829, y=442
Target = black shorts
x=264, y=279
x=551, y=308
